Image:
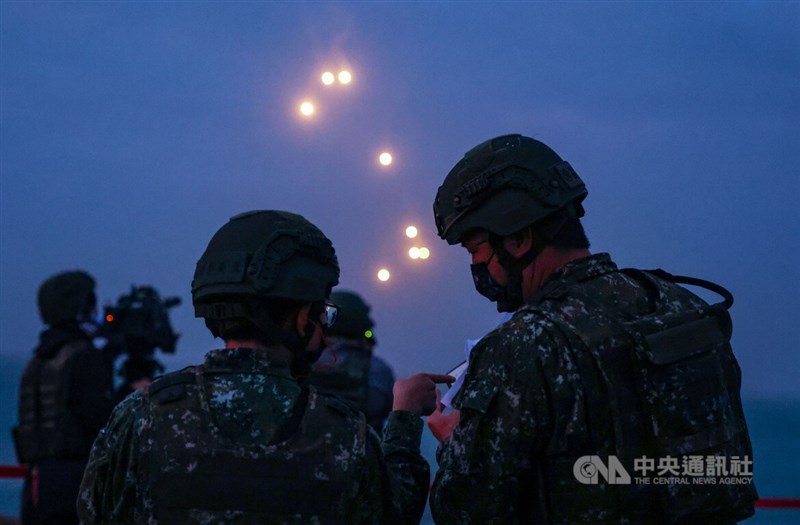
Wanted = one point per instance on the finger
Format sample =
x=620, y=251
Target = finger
x=440, y=378
x=439, y=405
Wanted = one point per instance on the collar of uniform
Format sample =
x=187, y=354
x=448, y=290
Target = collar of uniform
x=585, y=268
x=244, y=360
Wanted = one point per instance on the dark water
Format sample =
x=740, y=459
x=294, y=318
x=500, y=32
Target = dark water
x=774, y=428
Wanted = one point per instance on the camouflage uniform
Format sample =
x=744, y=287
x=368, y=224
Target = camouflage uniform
x=534, y=400
x=250, y=400
x=350, y=370
x=379, y=393
x=342, y=371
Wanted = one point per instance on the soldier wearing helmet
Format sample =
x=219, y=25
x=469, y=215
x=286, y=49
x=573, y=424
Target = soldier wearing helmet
x=240, y=438
x=65, y=398
x=349, y=367
x=595, y=362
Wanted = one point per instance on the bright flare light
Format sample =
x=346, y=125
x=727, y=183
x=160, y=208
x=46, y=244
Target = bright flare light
x=414, y=252
x=411, y=232
x=424, y=253
x=345, y=77
x=307, y=108
x=383, y=274
x=328, y=78
x=385, y=158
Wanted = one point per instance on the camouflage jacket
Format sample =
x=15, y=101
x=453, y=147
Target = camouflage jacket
x=351, y=371
x=343, y=371
x=251, y=398
x=533, y=401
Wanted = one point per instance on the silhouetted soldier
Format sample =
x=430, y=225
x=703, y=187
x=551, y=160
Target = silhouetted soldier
x=65, y=398
x=349, y=368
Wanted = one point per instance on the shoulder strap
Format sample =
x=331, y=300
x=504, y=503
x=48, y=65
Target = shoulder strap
x=171, y=387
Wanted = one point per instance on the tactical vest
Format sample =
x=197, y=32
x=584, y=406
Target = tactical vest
x=671, y=383
x=308, y=473
x=47, y=428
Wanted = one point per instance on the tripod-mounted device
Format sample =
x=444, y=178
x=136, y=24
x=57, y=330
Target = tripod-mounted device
x=136, y=326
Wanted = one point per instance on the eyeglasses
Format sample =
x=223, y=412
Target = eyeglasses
x=331, y=312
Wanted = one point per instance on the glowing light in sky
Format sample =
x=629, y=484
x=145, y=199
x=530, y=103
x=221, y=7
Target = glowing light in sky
x=385, y=158
x=411, y=232
x=307, y=108
x=345, y=77
x=414, y=252
x=368, y=334
x=328, y=78
x=424, y=253
x=383, y=274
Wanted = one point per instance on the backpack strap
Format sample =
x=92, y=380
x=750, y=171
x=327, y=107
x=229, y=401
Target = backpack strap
x=692, y=281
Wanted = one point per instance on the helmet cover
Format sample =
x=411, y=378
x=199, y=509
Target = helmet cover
x=504, y=185
x=263, y=255
x=353, y=319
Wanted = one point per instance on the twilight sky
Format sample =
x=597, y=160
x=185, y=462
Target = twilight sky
x=130, y=131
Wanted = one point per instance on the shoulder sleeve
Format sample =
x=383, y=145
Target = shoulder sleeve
x=112, y=490
x=396, y=478
x=485, y=465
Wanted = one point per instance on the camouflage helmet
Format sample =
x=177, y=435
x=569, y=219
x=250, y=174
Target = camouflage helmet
x=353, y=320
x=263, y=255
x=65, y=296
x=504, y=185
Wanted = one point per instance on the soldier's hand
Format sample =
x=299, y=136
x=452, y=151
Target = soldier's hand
x=417, y=394
x=440, y=424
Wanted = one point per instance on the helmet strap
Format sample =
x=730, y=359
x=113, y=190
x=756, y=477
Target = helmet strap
x=302, y=358
x=514, y=267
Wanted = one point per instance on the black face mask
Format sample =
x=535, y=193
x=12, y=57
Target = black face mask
x=508, y=298
x=485, y=284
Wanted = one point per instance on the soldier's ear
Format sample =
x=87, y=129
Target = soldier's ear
x=519, y=243
x=301, y=320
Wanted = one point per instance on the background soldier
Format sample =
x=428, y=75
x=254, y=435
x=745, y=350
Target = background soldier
x=595, y=361
x=349, y=367
x=65, y=398
x=238, y=438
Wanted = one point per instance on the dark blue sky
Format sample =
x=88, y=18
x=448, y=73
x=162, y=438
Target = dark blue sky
x=129, y=132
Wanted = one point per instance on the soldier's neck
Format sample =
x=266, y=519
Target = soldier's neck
x=545, y=265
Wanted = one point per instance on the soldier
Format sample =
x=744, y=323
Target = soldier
x=596, y=362
x=66, y=395
x=239, y=439
x=349, y=367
